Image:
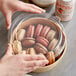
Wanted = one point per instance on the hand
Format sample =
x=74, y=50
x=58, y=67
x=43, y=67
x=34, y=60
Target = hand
x=18, y=65
x=8, y=7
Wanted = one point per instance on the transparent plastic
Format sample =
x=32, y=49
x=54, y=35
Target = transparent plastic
x=25, y=16
x=61, y=38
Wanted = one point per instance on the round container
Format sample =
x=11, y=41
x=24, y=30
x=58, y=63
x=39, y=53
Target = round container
x=25, y=20
x=43, y=3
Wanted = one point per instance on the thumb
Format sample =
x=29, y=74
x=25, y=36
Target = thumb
x=8, y=53
x=9, y=50
x=8, y=16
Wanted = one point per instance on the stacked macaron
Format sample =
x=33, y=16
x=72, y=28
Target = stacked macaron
x=40, y=38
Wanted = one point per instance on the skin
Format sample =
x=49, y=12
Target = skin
x=19, y=65
x=8, y=7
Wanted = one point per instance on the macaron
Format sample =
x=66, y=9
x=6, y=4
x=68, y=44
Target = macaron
x=51, y=34
x=31, y=51
x=52, y=44
x=28, y=42
x=42, y=40
x=40, y=48
x=27, y=51
x=21, y=34
x=38, y=30
x=30, y=31
x=51, y=57
x=44, y=31
x=23, y=52
x=58, y=51
x=17, y=47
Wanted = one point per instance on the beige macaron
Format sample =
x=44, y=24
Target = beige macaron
x=17, y=47
x=50, y=35
x=21, y=34
x=52, y=44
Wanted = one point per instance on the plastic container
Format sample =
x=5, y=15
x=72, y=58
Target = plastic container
x=65, y=9
x=25, y=20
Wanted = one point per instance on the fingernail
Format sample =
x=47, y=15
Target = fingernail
x=9, y=45
x=44, y=11
x=39, y=12
x=42, y=56
x=8, y=27
x=46, y=61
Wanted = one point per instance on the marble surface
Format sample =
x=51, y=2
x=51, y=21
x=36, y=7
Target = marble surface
x=67, y=66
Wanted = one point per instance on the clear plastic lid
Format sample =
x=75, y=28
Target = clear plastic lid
x=25, y=16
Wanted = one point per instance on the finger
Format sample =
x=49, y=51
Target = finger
x=24, y=7
x=28, y=69
x=34, y=57
x=9, y=50
x=8, y=19
x=8, y=14
x=35, y=7
x=36, y=63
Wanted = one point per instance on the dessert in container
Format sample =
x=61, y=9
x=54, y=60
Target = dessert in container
x=24, y=20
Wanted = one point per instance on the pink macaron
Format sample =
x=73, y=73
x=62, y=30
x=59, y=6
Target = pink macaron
x=44, y=31
x=38, y=30
x=30, y=31
x=42, y=40
x=28, y=42
x=40, y=48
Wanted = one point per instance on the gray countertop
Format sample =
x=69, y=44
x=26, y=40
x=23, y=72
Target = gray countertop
x=67, y=66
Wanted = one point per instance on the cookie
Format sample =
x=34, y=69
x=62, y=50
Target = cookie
x=17, y=47
x=52, y=44
x=31, y=51
x=21, y=34
x=50, y=56
x=44, y=31
x=51, y=34
x=42, y=41
x=30, y=31
x=28, y=42
x=40, y=48
x=38, y=30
